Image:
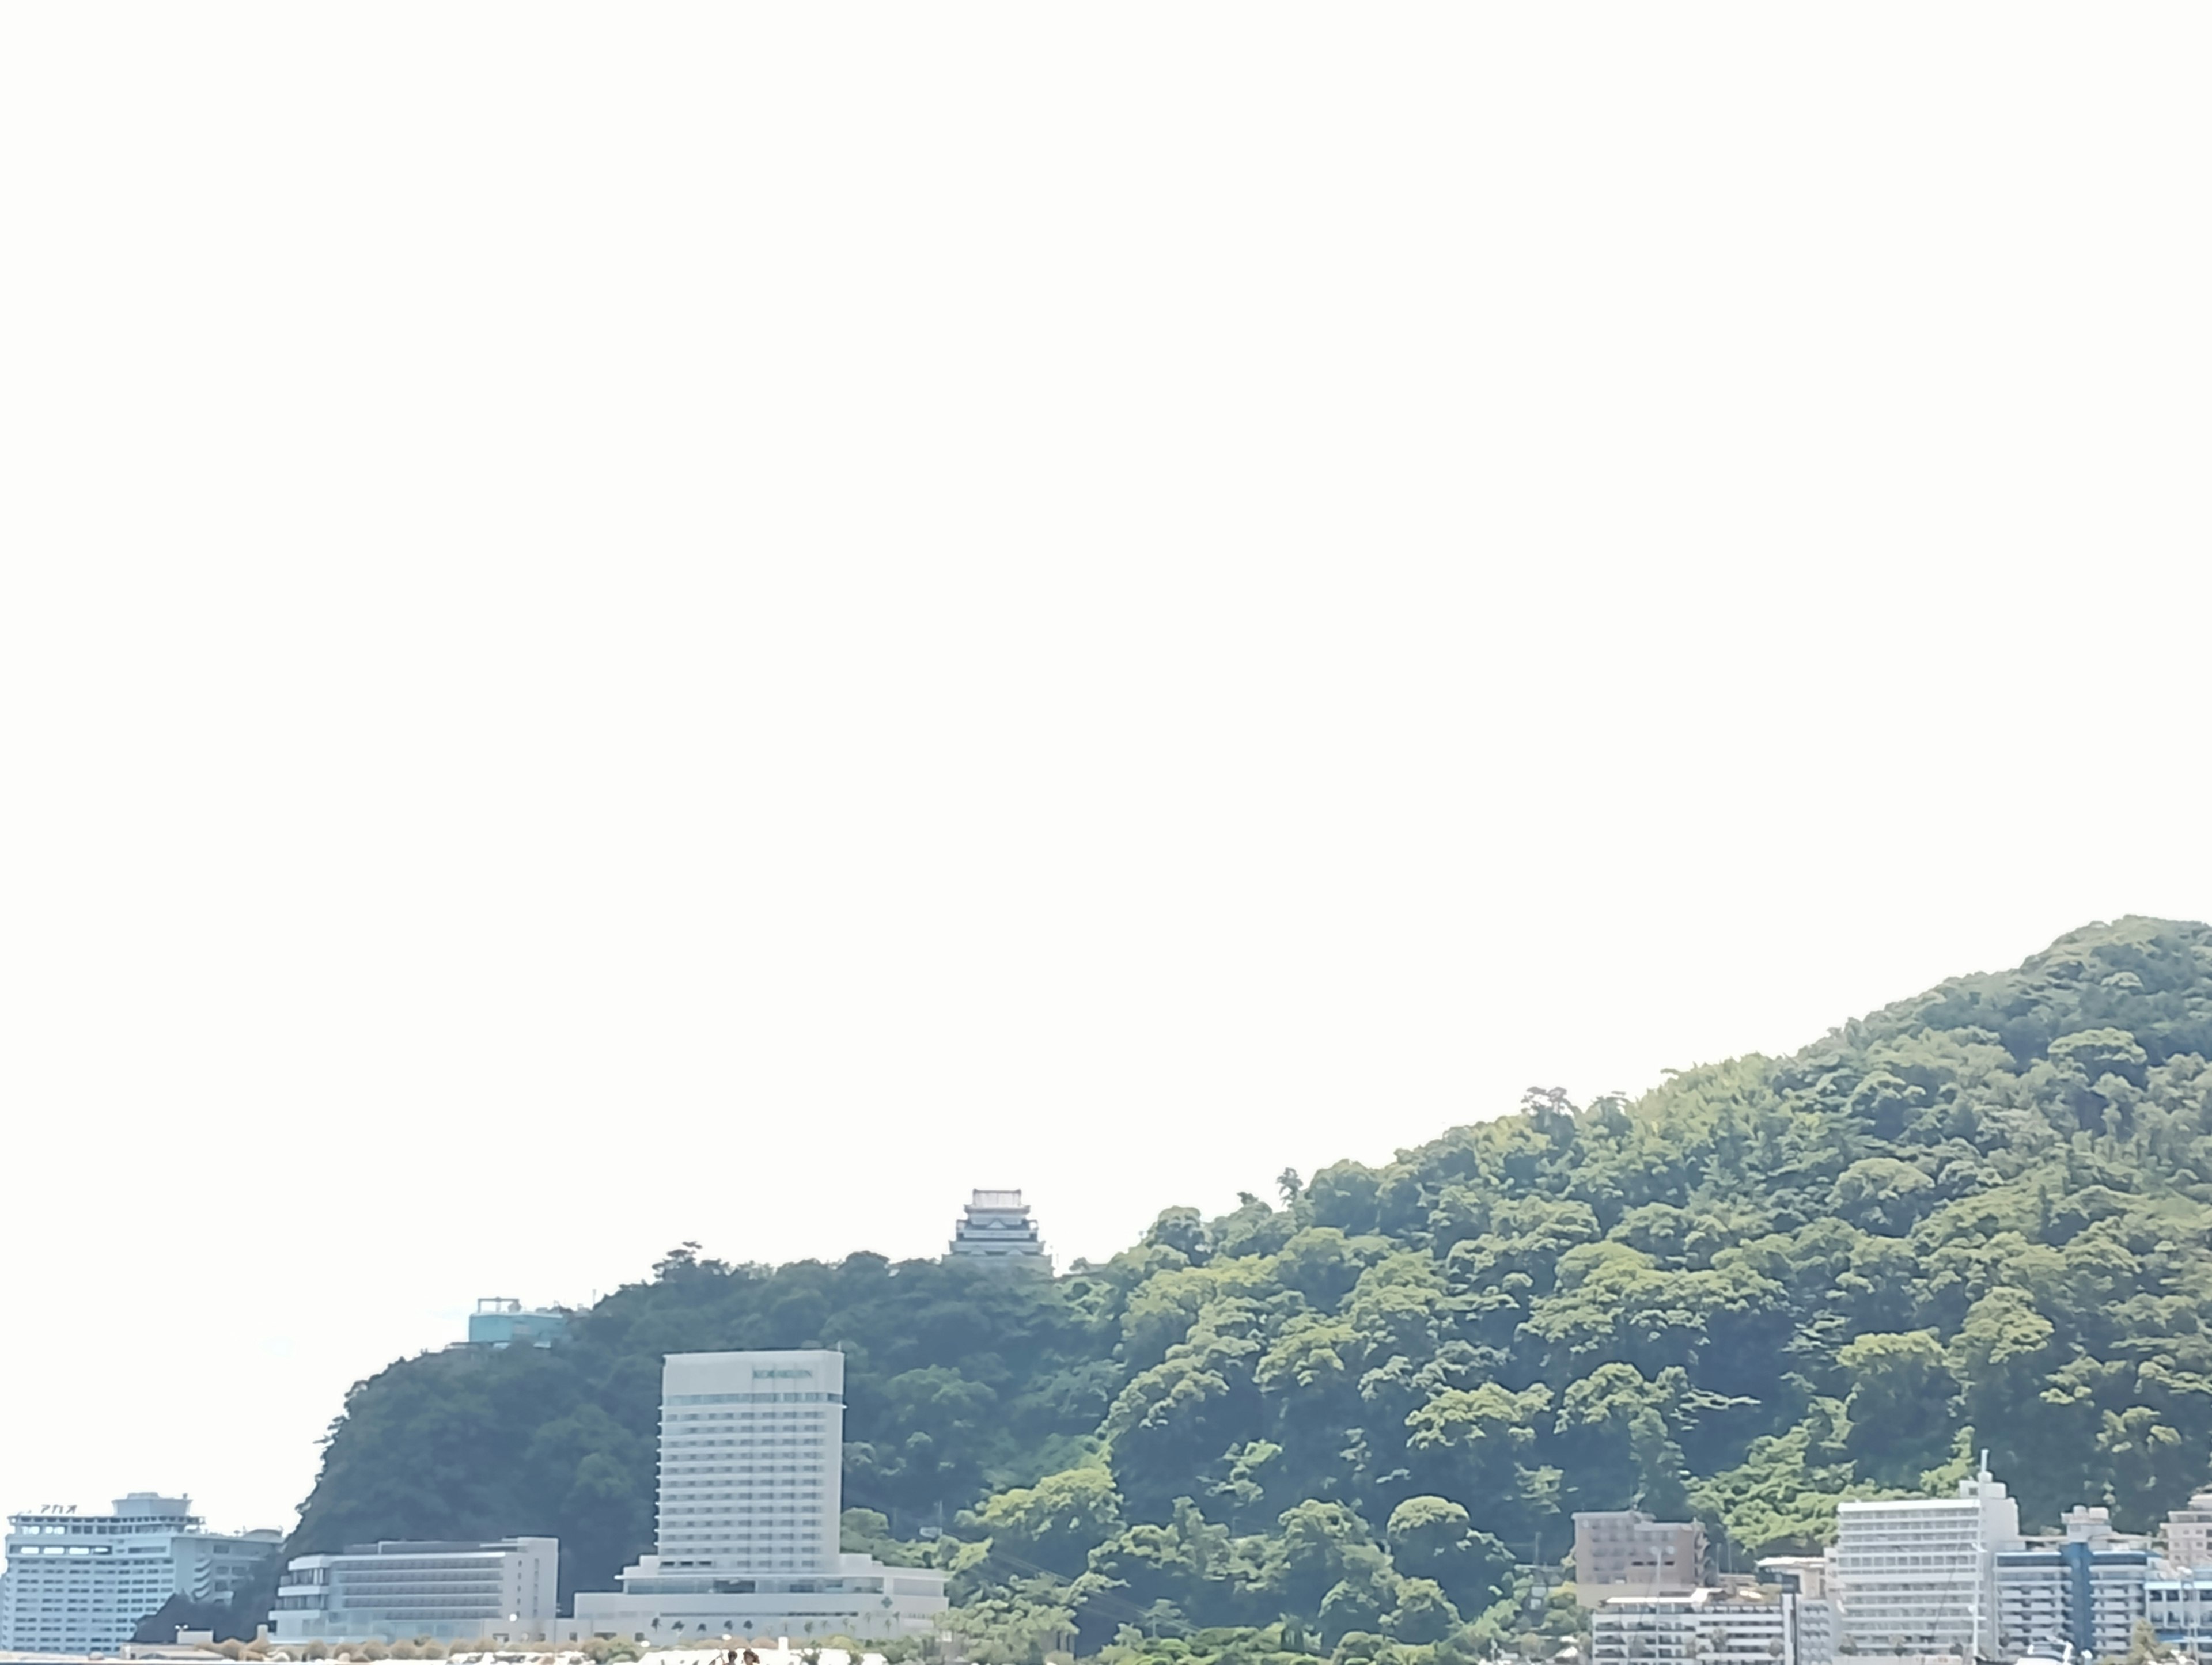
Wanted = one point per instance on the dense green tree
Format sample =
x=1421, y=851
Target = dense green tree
x=1056, y=1523
x=1902, y=1405
x=1434, y=1538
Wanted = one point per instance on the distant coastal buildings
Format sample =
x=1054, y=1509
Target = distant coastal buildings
x=995, y=1226
x=1927, y=1579
x=81, y=1584
x=748, y=1549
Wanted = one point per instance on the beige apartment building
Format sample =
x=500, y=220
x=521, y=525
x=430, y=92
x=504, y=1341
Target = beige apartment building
x=1624, y=1552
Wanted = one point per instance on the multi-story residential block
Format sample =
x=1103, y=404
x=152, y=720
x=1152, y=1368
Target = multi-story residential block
x=996, y=1225
x=2189, y=1532
x=751, y=1483
x=81, y=1584
x=394, y=1591
x=2180, y=1607
x=2085, y=1588
x=1704, y=1627
x=1808, y=1615
x=1918, y=1575
x=1624, y=1552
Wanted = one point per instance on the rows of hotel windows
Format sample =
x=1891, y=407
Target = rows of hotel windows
x=709, y=1531
x=766, y=1488
x=725, y=1474
x=750, y=1399
x=411, y=1571
x=429, y=1606
x=786, y=1427
x=722, y=1467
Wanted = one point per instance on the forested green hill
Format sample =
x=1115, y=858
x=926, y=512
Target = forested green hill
x=1764, y=1284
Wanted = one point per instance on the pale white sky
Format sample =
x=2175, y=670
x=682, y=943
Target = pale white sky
x=630, y=623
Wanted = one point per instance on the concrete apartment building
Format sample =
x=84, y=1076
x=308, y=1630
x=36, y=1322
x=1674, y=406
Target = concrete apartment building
x=1924, y=1579
x=1704, y=1627
x=2189, y=1534
x=1809, y=1614
x=1918, y=1575
x=399, y=1591
x=752, y=1486
x=80, y=1584
x=1624, y=1552
x=2180, y=1607
x=2177, y=1596
x=2086, y=1587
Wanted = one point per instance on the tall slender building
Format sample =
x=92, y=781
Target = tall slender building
x=751, y=1472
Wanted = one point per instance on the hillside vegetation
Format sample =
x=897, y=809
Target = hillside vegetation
x=1976, y=1218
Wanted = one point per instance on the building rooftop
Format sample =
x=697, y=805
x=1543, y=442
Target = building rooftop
x=996, y=1225
x=501, y=1320
x=141, y=1508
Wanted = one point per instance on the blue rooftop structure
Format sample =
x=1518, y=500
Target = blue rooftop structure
x=501, y=1321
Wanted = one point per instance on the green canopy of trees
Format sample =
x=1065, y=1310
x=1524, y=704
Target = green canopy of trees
x=1976, y=1218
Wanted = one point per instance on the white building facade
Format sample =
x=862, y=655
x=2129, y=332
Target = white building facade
x=753, y=1460
x=2179, y=1608
x=1808, y=1615
x=401, y=1591
x=2178, y=1597
x=81, y=1584
x=2189, y=1534
x=751, y=1487
x=1918, y=1575
x=1718, y=1627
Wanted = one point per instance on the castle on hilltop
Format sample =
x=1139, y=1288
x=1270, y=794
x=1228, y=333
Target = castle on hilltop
x=995, y=1226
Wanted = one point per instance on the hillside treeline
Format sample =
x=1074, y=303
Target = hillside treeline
x=1977, y=1217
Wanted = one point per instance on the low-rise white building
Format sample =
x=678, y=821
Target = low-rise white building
x=81, y=1584
x=1711, y=1626
x=861, y=1599
x=398, y=1590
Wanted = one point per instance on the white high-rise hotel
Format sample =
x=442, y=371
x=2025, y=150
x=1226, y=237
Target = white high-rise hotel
x=752, y=1485
x=752, y=1455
